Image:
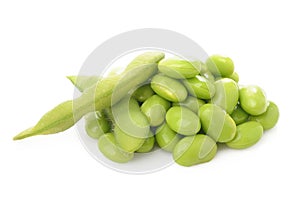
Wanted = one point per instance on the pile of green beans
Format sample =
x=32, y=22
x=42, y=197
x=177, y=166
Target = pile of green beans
x=184, y=107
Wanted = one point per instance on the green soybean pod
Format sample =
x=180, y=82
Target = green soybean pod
x=168, y=88
x=191, y=103
x=220, y=65
x=183, y=121
x=247, y=134
x=227, y=94
x=217, y=123
x=83, y=82
x=143, y=93
x=200, y=87
x=166, y=138
x=179, y=69
x=192, y=150
x=148, y=144
x=239, y=115
x=96, y=124
x=253, y=100
x=107, y=145
x=105, y=93
x=269, y=118
x=155, y=109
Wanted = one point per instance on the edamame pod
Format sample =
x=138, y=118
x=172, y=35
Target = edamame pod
x=83, y=82
x=179, y=69
x=217, y=123
x=168, y=88
x=155, y=109
x=247, y=134
x=269, y=118
x=166, y=138
x=103, y=94
x=200, y=87
x=192, y=150
x=227, y=94
x=107, y=145
x=183, y=121
x=253, y=100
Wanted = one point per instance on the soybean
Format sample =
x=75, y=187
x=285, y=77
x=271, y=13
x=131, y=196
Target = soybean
x=168, y=88
x=143, y=93
x=227, y=94
x=107, y=145
x=191, y=103
x=194, y=150
x=247, y=134
x=96, y=124
x=217, y=123
x=239, y=115
x=123, y=110
x=200, y=87
x=220, y=65
x=268, y=119
x=253, y=100
x=155, y=109
x=166, y=138
x=148, y=144
x=183, y=121
x=180, y=69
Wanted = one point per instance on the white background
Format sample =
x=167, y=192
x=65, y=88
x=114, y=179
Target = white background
x=43, y=42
